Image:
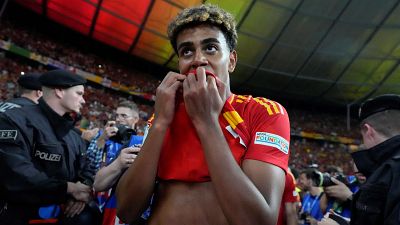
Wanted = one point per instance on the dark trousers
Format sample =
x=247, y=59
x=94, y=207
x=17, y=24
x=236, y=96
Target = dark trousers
x=17, y=215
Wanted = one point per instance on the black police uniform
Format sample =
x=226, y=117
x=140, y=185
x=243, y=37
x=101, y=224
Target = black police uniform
x=15, y=103
x=39, y=153
x=29, y=81
x=378, y=200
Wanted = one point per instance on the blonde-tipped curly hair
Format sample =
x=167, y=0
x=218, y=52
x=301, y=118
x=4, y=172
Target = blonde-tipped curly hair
x=204, y=14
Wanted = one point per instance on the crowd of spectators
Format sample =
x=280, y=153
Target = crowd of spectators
x=10, y=69
x=101, y=101
x=27, y=37
x=321, y=122
x=318, y=153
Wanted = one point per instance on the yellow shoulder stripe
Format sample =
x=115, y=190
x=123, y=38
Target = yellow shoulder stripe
x=271, y=106
x=233, y=118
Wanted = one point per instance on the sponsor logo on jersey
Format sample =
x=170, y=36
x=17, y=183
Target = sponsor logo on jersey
x=273, y=140
x=48, y=157
x=8, y=134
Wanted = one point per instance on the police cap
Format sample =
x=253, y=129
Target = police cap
x=379, y=104
x=30, y=81
x=61, y=79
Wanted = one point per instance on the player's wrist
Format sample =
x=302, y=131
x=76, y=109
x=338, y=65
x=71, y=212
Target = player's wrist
x=160, y=125
x=211, y=128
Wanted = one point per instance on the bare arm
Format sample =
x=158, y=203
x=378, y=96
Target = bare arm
x=136, y=186
x=291, y=213
x=323, y=203
x=247, y=195
x=107, y=176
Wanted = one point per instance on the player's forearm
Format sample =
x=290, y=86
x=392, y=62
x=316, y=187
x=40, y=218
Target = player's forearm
x=291, y=213
x=136, y=185
x=240, y=199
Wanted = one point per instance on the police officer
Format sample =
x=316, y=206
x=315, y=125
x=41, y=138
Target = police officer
x=30, y=90
x=41, y=158
x=378, y=200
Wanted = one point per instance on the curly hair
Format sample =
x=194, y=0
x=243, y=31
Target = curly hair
x=204, y=14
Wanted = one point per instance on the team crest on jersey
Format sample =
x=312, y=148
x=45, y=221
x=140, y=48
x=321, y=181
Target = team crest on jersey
x=273, y=140
x=8, y=134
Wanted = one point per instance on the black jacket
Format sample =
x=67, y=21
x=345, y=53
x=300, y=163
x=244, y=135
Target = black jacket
x=15, y=103
x=378, y=200
x=39, y=153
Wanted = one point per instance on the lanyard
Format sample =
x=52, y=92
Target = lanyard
x=309, y=209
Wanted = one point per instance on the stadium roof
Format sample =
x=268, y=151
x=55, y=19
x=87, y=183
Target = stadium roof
x=336, y=51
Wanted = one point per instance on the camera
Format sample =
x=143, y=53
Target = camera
x=327, y=181
x=123, y=134
x=324, y=179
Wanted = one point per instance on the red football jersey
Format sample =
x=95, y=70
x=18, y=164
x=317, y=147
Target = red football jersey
x=289, y=195
x=255, y=128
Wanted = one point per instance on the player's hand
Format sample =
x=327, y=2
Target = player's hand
x=164, y=108
x=204, y=96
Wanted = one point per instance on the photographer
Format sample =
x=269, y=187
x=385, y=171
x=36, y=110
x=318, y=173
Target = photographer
x=117, y=147
x=310, y=212
x=116, y=135
x=339, y=191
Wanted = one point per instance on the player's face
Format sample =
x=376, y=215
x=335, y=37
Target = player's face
x=205, y=46
x=72, y=98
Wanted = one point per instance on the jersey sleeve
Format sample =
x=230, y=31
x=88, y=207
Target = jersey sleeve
x=269, y=133
x=21, y=180
x=290, y=194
